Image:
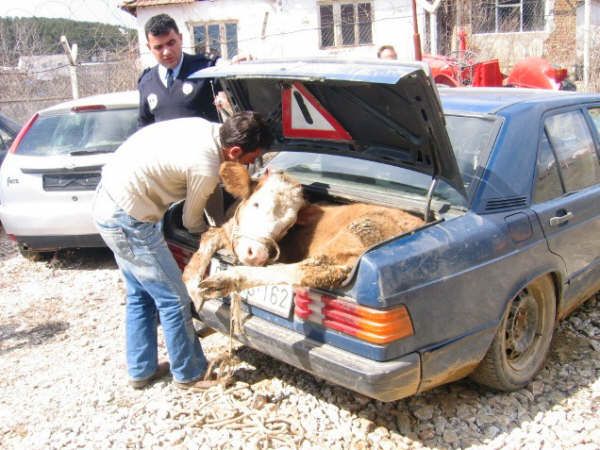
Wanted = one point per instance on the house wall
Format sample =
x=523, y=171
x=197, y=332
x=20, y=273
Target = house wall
x=509, y=48
x=594, y=30
x=561, y=45
x=561, y=42
x=292, y=27
x=248, y=14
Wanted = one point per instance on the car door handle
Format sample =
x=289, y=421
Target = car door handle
x=559, y=220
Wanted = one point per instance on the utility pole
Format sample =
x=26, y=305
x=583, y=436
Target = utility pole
x=587, y=15
x=71, y=53
x=416, y=36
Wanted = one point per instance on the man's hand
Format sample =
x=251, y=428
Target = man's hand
x=222, y=104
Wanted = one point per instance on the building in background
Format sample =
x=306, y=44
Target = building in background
x=283, y=28
x=513, y=30
x=509, y=30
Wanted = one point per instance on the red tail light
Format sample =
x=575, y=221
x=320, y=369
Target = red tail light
x=22, y=133
x=181, y=255
x=368, y=324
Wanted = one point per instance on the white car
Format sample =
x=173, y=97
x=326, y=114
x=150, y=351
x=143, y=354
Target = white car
x=49, y=175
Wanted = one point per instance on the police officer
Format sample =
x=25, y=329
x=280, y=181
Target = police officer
x=165, y=93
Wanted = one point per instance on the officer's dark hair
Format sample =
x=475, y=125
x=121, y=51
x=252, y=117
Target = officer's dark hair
x=159, y=25
x=246, y=129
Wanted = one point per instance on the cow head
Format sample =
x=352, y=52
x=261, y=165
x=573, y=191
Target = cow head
x=267, y=210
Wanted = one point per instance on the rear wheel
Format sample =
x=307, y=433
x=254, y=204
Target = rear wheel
x=521, y=344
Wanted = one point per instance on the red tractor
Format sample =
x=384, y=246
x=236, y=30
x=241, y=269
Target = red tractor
x=465, y=70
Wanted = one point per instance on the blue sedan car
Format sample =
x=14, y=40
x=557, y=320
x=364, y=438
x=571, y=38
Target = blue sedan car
x=508, y=182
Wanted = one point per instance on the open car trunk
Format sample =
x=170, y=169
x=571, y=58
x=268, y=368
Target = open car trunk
x=278, y=304
x=221, y=205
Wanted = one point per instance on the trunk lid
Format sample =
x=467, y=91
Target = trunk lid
x=381, y=111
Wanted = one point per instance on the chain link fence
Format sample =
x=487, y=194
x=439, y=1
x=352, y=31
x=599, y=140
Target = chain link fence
x=24, y=92
x=35, y=71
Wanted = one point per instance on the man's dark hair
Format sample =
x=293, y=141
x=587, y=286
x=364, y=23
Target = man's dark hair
x=159, y=25
x=246, y=129
x=385, y=47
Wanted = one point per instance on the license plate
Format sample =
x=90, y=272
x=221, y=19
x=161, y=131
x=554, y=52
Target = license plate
x=275, y=298
x=71, y=181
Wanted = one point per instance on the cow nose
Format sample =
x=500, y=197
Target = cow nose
x=252, y=253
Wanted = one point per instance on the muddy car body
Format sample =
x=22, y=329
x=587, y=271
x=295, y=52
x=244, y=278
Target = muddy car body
x=508, y=182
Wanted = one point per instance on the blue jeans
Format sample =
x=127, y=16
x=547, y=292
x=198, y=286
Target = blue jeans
x=154, y=288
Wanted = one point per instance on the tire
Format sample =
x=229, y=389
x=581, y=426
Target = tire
x=521, y=344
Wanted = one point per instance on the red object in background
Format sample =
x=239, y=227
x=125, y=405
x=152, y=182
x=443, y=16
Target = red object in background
x=487, y=73
x=452, y=72
x=462, y=40
x=464, y=70
x=531, y=72
x=536, y=72
x=444, y=70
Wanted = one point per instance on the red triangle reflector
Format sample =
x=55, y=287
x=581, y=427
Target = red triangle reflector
x=304, y=117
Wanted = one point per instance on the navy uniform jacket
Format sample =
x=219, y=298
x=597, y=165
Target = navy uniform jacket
x=185, y=98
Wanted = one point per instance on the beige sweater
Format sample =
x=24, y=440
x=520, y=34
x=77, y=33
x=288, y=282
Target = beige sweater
x=163, y=163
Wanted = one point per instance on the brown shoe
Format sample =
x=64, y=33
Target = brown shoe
x=162, y=370
x=197, y=385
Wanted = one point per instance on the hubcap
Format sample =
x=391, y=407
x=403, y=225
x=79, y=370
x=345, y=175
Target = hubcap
x=521, y=327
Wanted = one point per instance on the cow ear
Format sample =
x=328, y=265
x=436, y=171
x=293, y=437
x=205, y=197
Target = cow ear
x=309, y=214
x=236, y=179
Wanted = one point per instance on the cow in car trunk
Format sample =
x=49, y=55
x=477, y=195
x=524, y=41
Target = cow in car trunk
x=316, y=245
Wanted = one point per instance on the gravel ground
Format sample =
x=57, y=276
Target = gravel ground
x=63, y=384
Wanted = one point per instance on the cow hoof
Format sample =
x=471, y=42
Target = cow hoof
x=193, y=291
x=218, y=285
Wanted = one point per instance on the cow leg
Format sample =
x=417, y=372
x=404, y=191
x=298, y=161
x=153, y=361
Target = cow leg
x=317, y=272
x=212, y=240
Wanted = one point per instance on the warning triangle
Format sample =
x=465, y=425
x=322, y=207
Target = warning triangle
x=304, y=117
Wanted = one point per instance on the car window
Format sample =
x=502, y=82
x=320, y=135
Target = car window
x=81, y=132
x=5, y=139
x=595, y=115
x=471, y=139
x=573, y=145
x=361, y=176
x=547, y=183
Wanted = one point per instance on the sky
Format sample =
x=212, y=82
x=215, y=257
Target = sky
x=105, y=11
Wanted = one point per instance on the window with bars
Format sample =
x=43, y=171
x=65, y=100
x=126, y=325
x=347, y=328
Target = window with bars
x=216, y=39
x=345, y=24
x=507, y=16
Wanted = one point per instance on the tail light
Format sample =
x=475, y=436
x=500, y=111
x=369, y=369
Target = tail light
x=181, y=255
x=372, y=325
x=22, y=133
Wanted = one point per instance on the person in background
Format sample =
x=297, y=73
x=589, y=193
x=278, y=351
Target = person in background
x=158, y=165
x=165, y=91
x=387, y=52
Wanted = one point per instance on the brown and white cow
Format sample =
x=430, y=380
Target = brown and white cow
x=319, y=251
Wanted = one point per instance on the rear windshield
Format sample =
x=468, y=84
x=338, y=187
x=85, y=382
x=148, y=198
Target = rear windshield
x=471, y=139
x=79, y=132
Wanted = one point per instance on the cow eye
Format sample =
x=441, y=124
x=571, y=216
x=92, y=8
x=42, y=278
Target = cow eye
x=255, y=204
